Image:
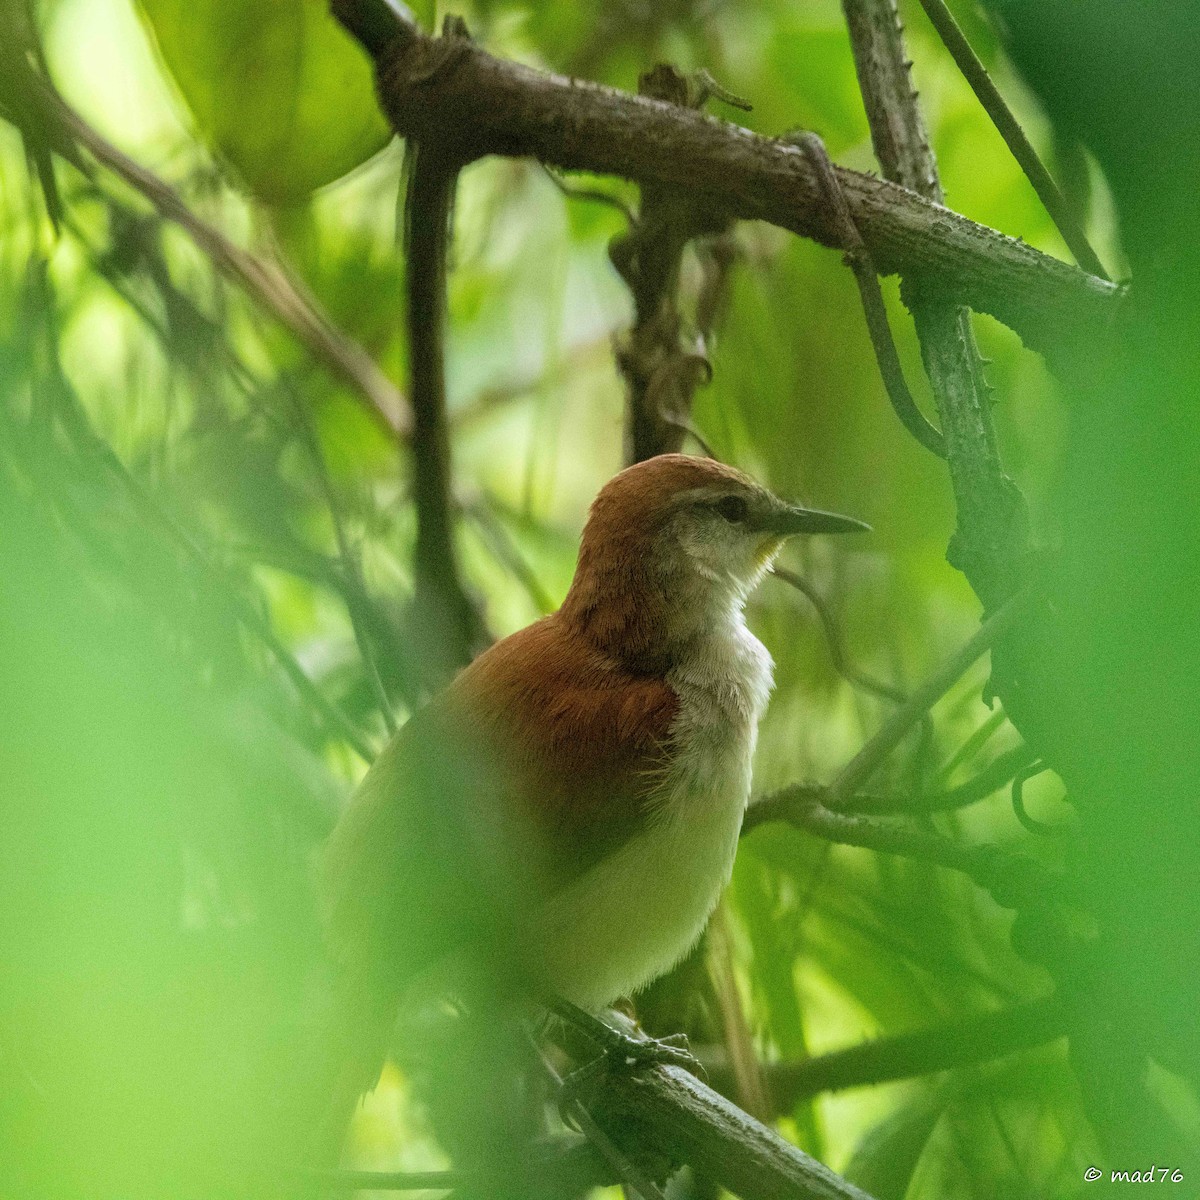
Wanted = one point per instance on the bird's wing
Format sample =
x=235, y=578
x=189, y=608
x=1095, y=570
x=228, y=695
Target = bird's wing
x=584, y=743
x=541, y=758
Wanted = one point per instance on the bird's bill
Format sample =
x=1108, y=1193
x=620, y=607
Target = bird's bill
x=790, y=518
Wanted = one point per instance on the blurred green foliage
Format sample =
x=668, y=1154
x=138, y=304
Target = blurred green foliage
x=167, y=538
x=302, y=110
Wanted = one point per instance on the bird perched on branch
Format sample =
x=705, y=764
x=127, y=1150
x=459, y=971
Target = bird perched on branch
x=569, y=806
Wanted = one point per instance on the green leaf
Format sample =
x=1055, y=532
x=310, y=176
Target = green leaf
x=277, y=89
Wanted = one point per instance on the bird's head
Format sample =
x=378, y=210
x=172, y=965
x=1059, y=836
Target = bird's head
x=674, y=542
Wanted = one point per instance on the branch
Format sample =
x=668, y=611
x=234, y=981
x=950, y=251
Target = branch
x=1009, y=128
x=482, y=105
x=864, y=764
x=357, y=600
x=836, y=642
x=1013, y=880
x=991, y=532
x=668, y=1110
x=989, y=781
x=968, y=1042
x=452, y=626
x=626, y=1170
x=866, y=276
x=268, y=285
x=569, y=1169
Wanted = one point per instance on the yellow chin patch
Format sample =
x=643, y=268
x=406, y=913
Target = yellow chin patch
x=766, y=550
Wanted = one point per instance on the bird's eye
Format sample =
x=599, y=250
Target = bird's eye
x=733, y=509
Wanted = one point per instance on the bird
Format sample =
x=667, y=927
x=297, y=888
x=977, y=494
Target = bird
x=572, y=800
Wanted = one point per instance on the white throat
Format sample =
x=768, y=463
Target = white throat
x=723, y=682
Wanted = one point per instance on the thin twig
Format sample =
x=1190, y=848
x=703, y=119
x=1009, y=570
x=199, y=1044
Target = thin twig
x=989, y=781
x=836, y=643
x=689, y=427
x=595, y=195
x=265, y=282
x=973, y=744
x=1014, y=880
x=976, y=74
x=864, y=764
x=355, y=592
x=1023, y=776
x=858, y=259
x=966, y=1042
x=627, y=1170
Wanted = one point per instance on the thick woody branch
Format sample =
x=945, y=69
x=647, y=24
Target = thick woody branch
x=968, y=1042
x=458, y=95
x=665, y=1109
x=637, y=1183
x=991, y=519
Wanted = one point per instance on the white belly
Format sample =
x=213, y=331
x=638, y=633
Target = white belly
x=634, y=915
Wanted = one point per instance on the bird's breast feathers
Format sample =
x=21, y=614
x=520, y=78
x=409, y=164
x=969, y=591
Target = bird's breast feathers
x=615, y=798
x=723, y=687
x=640, y=909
